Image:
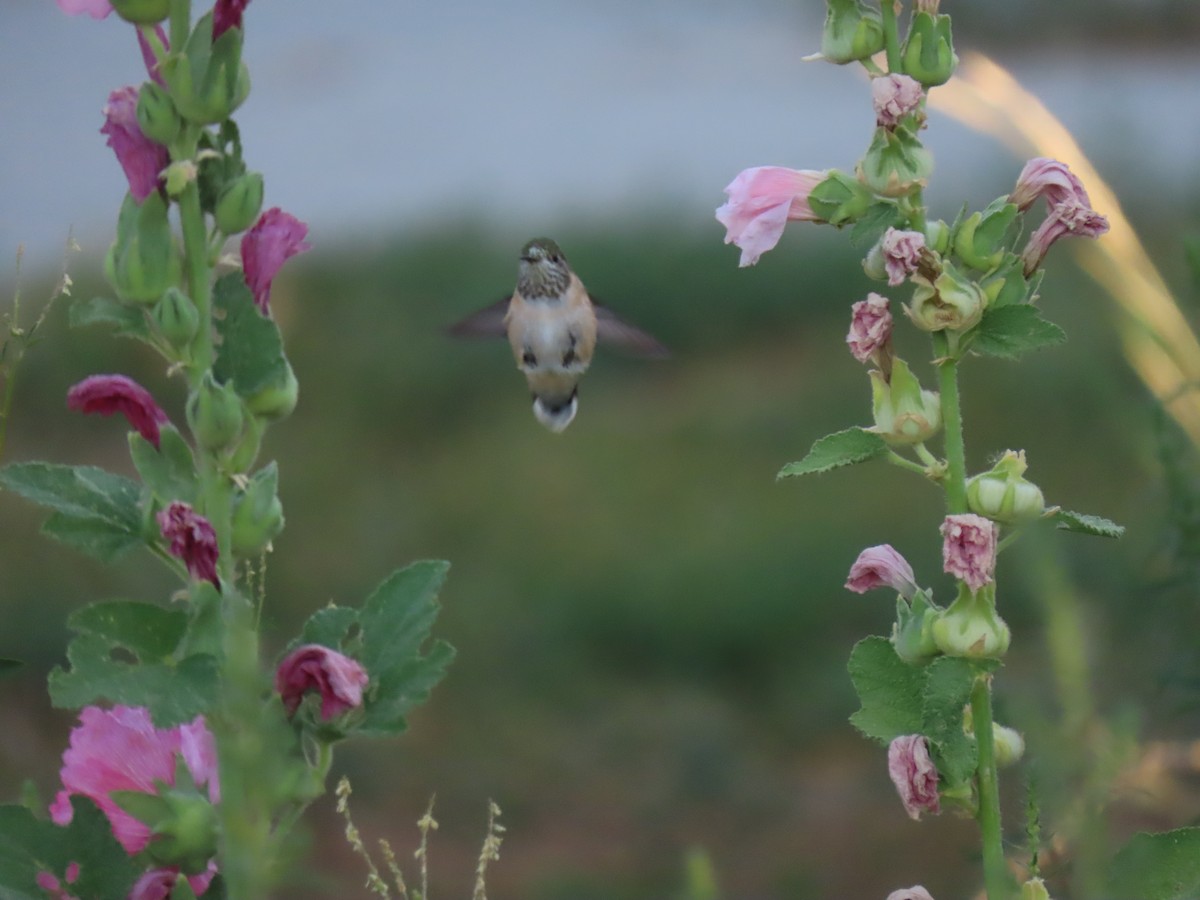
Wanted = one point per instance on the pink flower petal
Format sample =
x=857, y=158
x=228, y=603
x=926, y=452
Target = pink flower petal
x=762, y=200
x=141, y=158
x=193, y=540
x=881, y=566
x=97, y=9
x=338, y=679
x=914, y=774
x=108, y=394
x=870, y=327
x=969, y=549
x=275, y=238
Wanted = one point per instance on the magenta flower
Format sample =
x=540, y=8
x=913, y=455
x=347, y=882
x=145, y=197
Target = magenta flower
x=881, y=566
x=1065, y=218
x=227, y=14
x=913, y=893
x=1049, y=178
x=192, y=539
x=107, y=394
x=275, y=238
x=761, y=202
x=870, y=327
x=902, y=251
x=156, y=884
x=121, y=750
x=338, y=679
x=52, y=886
x=141, y=158
x=894, y=97
x=97, y=9
x=969, y=549
x=914, y=775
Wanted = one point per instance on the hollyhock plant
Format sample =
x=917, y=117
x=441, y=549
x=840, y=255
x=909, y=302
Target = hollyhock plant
x=882, y=566
x=894, y=97
x=108, y=394
x=870, y=327
x=762, y=200
x=141, y=158
x=338, y=679
x=914, y=774
x=191, y=539
x=275, y=238
x=969, y=549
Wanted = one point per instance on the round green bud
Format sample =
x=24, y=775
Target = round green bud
x=853, y=30
x=176, y=317
x=214, y=413
x=1003, y=494
x=928, y=52
x=904, y=413
x=239, y=203
x=142, y=12
x=156, y=114
x=278, y=399
x=937, y=236
x=257, y=513
x=971, y=628
x=1009, y=744
x=145, y=260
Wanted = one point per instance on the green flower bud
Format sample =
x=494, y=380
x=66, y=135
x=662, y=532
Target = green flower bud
x=187, y=837
x=239, y=203
x=981, y=240
x=1034, y=889
x=144, y=260
x=895, y=163
x=142, y=12
x=839, y=199
x=1008, y=285
x=928, y=52
x=214, y=413
x=278, y=399
x=156, y=114
x=1008, y=743
x=176, y=317
x=257, y=513
x=1003, y=495
x=904, y=414
x=208, y=81
x=912, y=632
x=951, y=302
x=971, y=628
x=937, y=236
x=178, y=176
x=853, y=30
x=242, y=457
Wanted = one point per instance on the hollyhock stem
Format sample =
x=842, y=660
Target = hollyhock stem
x=195, y=245
x=897, y=460
x=891, y=36
x=995, y=872
x=956, y=457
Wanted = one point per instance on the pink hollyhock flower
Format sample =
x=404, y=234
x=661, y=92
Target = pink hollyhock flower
x=107, y=394
x=895, y=96
x=914, y=775
x=870, y=327
x=901, y=253
x=969, y=549
x=761, y=201
x=52, y=886
x=338, y=679
x=1064, y=218
x=913, y=893
x=227, y=14
x=275, y=238
x=192, y=539
x=121, y=750
x=141, y=158
x=97, y=9
x=156, y=884
x=1049, y=178
x=881, y=566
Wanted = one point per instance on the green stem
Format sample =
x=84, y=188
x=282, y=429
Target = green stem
x=897, y=460
x=995, y=872
x=956, y=458
x=891, y=36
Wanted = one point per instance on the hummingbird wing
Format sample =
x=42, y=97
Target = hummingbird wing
x=485, y=323
x=616, y=332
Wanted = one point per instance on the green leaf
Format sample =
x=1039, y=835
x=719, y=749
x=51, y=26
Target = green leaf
x=169, y=471
x=1163, y=866
x=127, y=321
x=845, y=448
x=98, y=538
x=329, y=626
x=1012, y=331
x=872, y=224
x=948, y=683
x=890, y=690
x=148, y=631
x=1083, y=524
x=251, y=351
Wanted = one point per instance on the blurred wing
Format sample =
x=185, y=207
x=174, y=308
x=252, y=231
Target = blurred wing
x=618, y=333
x=487, y=322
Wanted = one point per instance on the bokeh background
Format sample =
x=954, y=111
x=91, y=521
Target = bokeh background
x=652, y=632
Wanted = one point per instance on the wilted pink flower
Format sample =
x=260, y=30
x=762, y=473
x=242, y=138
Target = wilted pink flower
x=148, y=52
x=275, y=238
x=121, y=750
x=895, y=96
x=969, y=549
x=879, y=567
x=1049, y=178
x=761, y=201
x=913, y=893
x=107, y=394
x=901, y=253
x=141, y=158
x=192, y=539
x=1065, y=218
x=338, y=679
x=914, y=775
x=870, y=326
x=227, y=14
x=97, y=9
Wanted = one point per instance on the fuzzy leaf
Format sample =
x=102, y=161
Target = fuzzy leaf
x=1012, y=331
x=1163, y=866
x=169, y=471
x=328, y=627
x=845, y=448
x=948, y=683
x=127, y=321
x=251, y=351
x=97, y=538
x=1083, y=524
x=889, y=689
x=872, y=224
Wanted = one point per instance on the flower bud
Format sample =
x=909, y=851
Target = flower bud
x=156, y=114
x=904, y=414
x=239, y=203
x=208, y=81
x=853, y=30
x=981, y=239
x=1003, y=495
x=1008, y=285
x=142, y=12
x=187, y=835
x=257, y=513
x=952, y=301
x=214, y=413
x=895, y=163
x=176, y=317
x=839, y=199
x=1008, y=743
x=914, y=775
x=937, y=236
x=870, y=336
x=928, y=52
x=1034, y=889
x=971, y=628
x=144, y=260
x=278, y=399
x=912, y=632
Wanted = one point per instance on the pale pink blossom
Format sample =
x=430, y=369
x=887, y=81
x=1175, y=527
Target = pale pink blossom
x=108, y=394
x=762, y=200
x=274, y=239
x=969, y=549
x=1049, y=178
x=338, y=679
x=141, y=158
x=902, y=252
x=870, y=326
x=894, y=97
x=1066, y=218
x=191, y=538
x=913, y=893
x=97, y=9
x=914, y=774
x=881, y=566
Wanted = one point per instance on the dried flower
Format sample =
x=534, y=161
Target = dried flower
x=762, y=200
x=914, y=774
x=107, y=394
x=902, y=252
x=881, y=566
x=275, y=238
x=338, y=679
x=894, y=97
x=1049, y=178
x=870, y=327
x=192, y=539
x=969, y=549
x=1064, y=218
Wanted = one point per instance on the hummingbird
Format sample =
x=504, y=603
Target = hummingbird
x=552, y=324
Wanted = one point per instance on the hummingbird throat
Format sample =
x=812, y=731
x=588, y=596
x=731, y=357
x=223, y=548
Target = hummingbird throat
x=541, y=281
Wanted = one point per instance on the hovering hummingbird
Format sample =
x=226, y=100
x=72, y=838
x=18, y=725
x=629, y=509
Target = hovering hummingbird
x=552, y=325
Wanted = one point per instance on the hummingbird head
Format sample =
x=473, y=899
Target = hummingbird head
x=543, y=270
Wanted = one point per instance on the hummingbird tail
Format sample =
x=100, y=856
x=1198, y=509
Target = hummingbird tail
x=556, y=417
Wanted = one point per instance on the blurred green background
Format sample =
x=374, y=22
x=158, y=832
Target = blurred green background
x=651, y=631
